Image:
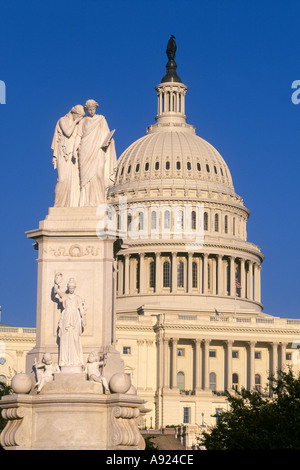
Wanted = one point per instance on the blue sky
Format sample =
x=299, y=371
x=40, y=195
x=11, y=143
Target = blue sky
x=238, y=59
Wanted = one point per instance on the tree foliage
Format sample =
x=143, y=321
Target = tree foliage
x=258, y=421
x=4, y=390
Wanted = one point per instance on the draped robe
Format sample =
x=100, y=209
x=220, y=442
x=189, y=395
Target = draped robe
x=96, y=165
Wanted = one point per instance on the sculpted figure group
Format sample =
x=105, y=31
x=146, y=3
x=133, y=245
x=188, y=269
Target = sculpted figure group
x=84, y=156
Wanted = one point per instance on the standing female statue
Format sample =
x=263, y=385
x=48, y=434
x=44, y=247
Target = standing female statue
x=71, y=323
x=67, y=188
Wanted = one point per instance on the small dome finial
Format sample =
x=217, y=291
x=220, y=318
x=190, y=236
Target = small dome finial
x=171, y=75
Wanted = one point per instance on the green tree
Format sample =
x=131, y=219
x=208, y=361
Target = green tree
x=258, y=421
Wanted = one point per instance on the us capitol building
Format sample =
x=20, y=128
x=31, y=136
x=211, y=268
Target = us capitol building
x=189, y=317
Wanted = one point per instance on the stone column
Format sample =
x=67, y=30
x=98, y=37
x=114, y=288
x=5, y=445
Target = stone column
x=232, y=276
x=206, y=364
x=174, y=362
x=256, y=283
x=174, y=273
x=214, y=276
x=126, y=274
x=205, y=273
x=275, y=358
x=197, y=365
x=250, y=280
x=243, y=281
x=159, y=355
x=283, y=356
x=251, y=368
x=220, y=277
x=142, y=273
x=157, y=273
x=190, y=272
x=165, y=363
x=229, y=365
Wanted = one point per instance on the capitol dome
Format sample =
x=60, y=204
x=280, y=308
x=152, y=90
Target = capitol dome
x=182, y=226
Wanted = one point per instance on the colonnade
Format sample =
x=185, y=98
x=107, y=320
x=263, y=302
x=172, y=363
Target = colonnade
x=202, y=273
x=168, y=362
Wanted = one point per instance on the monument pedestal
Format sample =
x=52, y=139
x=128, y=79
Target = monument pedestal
x=72, y=413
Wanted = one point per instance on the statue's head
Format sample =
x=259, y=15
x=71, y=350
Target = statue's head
x=71, y=285
x=91, y=106
x=47, y=358
x=78, y=110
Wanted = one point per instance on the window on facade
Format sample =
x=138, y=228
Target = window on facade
x=167, y=219
x=153, y=219
x=141, y=221
x=235, y=354
x=129, y=220
x=198, y=166
x=207, y=168
x=122, y=171
x=221, y=171
x=180, y=219
x=212, y=381
x=180, y=380
x=152, y=274
x=235, y=381
x=193, y=220
x=180, y=274
x=288, y=356
x=212, y=353
x=194, y=275
x=216, y=222
x=188, y=165
x=180, y=352
x=257, y=382
x=167, y=165
x=166, y=274
x=129, y=169
x=226, y=224
x=126, y=350
x=205, y=221
x=156, y=165
x=257, y=355
x=137, y=167
x=186, y=415
x=216, y=171
x=178, y=166
x=146, y=166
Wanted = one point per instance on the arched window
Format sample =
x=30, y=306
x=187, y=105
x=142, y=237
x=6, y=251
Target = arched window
x=235, y=381
x=180, y=381
x=137, y=167
x=193, y=220
x=205, y=221
x=153, y=219
x=212, y=381
x=129, y=169
x=129, y=220
x=146, y=166
x=166, y=274
x=216, y=222
x=257, y=383
x=157, y=165
x=180, y=219
x=180, y=274
x=194, y=275
x=152, y=274
x=207, y=168
x=141, y=221
x=167, y=219
x=188, y=165
x=167, y=165
x=198, y=166
x=178, y=166
x=226, y=224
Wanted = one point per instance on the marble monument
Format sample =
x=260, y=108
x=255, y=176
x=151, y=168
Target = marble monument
x=75, y=394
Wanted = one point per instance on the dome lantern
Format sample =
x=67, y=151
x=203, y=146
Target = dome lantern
x=171, y=91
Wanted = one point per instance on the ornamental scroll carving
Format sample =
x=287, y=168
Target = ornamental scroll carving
x=74, y=251
x=124, y=430
x=10, y=436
